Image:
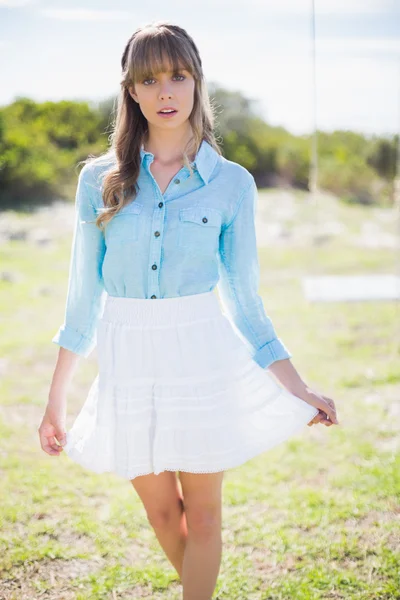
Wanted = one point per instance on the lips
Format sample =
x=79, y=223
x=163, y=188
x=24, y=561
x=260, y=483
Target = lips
x=169, y=109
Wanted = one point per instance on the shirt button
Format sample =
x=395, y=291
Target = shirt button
x=160, y=204
x=156, y=233
x=204, y=219
x=153, y=296
x=154, y=267
x=177, y=181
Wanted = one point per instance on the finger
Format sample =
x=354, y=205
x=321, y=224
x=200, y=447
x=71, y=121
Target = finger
x=48, y=444
x=315, y=419
x=312, y=421
x=50, y=450
x=53, y=443
x=326, y=421
x=331, y=412
x=319, y=417
x=330, y=402
x=44, y=442
x=60, y=436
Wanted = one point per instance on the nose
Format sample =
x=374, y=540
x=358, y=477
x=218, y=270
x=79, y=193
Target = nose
x=165, y=91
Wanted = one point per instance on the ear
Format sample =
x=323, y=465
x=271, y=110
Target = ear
x=131, y=90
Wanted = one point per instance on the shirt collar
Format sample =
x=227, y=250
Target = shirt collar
x=204, y=162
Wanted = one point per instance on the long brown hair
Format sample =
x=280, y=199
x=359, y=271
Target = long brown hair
x=142, y=57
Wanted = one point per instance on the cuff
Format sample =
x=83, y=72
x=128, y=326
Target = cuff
x=271, y=352
x=74, y=341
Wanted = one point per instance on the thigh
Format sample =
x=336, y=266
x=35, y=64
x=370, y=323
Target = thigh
x=202, y=497
x=161, y=495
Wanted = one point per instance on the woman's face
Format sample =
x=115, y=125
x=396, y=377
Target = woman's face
x=165, y=89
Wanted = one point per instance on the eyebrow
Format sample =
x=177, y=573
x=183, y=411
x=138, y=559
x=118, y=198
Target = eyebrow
x=172, y=71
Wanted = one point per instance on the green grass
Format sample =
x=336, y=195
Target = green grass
x=315, y=518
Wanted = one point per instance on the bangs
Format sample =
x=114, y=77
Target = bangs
x=159, y=53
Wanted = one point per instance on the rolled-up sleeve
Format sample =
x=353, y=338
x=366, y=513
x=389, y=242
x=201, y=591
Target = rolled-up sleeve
x=239, y=281
x=85, y=293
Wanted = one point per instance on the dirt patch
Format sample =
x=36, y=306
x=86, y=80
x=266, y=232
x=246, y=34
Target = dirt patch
x=50, y=579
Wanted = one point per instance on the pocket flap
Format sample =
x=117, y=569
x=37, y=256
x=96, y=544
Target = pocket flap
x=202, y=215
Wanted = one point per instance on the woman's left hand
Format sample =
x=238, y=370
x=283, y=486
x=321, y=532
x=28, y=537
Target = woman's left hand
x=326, y=406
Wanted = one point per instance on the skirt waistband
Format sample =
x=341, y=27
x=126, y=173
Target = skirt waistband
x=161, y=311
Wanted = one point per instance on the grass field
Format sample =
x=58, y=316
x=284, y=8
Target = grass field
x=317, y=517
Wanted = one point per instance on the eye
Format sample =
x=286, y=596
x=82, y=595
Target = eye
x=176, y=75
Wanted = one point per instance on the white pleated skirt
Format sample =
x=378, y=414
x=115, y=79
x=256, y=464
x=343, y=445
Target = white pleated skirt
x=178, y=390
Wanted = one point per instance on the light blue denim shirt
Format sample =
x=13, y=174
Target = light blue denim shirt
x=197, y=235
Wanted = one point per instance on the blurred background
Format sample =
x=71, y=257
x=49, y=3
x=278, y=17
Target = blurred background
x=307, y=98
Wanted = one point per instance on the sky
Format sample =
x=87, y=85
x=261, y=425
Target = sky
x=53, y=50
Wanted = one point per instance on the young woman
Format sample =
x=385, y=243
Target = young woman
x=163, y=220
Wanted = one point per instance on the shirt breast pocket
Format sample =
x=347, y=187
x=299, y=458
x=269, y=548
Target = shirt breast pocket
x=125, y=226
x=199, y=228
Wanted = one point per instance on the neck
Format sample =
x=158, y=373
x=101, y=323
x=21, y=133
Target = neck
x=167, y=146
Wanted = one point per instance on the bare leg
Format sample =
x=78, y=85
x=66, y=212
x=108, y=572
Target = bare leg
x=202, y=557
x=162, y=498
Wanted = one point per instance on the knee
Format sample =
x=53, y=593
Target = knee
x=161, y=517
x=203, y=522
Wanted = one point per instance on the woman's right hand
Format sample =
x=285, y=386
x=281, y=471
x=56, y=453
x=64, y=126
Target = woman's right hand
x=52, y=429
